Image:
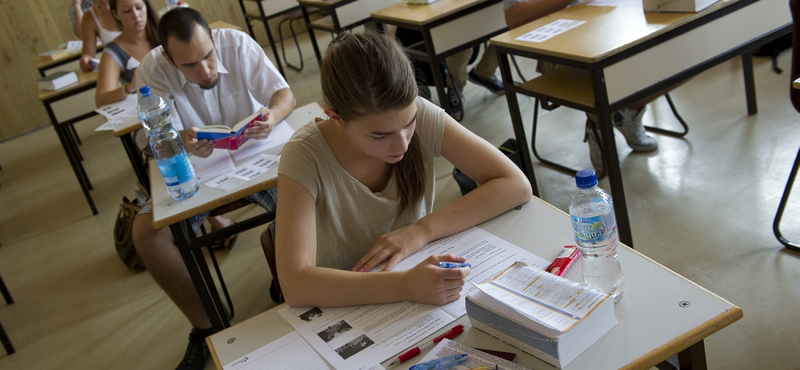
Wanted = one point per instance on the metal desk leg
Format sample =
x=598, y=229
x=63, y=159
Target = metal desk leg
x=271, y=39
x=611, y=157
x=749, y=83
x=516, y=121
x=198, y=271
x=693, y=358
x=134, y=155
x=76, y=166
x=311, y=35
x=782, y=206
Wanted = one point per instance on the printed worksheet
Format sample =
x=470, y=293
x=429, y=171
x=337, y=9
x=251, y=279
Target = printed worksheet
x=120, y=114
x=550, y=30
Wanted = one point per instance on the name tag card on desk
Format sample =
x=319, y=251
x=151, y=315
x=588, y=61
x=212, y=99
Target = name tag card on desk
x=550, y=30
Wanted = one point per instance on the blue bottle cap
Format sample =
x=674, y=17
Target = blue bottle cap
x=586, y=179
x=145, y=90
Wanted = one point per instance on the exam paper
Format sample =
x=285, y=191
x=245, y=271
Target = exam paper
x=287, y=352
x=618, y=3
x=360, y=337
x=475, y=359
x=280, y=134
x=119, y=114
x=488, y=254
x=216, y=164
x=550, y=30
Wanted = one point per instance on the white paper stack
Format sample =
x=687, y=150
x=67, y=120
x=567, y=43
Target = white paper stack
x=58, y=80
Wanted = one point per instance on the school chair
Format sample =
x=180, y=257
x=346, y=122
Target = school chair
x=794, y=93
x=290, y=18
x=268, y=244
x=3, y=335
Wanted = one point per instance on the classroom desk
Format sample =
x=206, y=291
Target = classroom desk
x=623, y=55
x=86, y=81
x=43, y=67
x=268, y=10
x=447, y=27
x=343, y=15
x=168, y=212
x=660, y=315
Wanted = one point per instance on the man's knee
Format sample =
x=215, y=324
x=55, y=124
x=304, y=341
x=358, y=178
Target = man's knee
x=145, y=236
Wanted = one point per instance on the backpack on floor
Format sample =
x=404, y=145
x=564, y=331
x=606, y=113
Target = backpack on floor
x=123, y=230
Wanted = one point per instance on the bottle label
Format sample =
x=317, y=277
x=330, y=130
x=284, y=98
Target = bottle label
x=176, y=170
x=594, y=229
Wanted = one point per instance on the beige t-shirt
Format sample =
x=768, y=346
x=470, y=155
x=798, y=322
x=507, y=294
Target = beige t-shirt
x=350, y=217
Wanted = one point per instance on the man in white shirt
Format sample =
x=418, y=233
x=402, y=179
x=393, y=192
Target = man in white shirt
x=207, y=78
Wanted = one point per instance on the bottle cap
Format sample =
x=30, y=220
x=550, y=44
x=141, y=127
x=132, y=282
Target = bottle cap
x=586, y=178
x=145, y=90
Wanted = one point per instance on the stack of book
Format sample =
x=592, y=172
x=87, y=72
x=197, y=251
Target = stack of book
x=547, y=316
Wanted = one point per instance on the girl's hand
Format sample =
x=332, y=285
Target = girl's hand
x=430, y=284
x=394, y=246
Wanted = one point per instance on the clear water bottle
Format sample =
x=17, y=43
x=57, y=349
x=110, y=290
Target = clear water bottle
x=167, y=146
x=592, y=212
x=172, y=4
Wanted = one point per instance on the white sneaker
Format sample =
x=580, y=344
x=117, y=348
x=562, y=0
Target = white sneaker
x=595, y=153
x=629, y=123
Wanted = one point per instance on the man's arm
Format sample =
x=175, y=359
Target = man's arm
x=529, y=11
x=281, y=104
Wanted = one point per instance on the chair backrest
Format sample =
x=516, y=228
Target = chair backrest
x=795, y=93
x=268, y=245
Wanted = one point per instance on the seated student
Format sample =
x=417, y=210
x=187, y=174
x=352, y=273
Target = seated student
x=101, y=24
x=483, y=74
x=207, y=78
x=139, y=22
x=76, y=11
x=627, y=120
x=356, y=188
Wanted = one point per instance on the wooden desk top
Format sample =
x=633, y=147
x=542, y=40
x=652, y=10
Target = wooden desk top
x=652, y=323
x=167, y=211
x=84, y=79
x=607, y=31
x=130, y=126
x=423, y=14
x=66, y=57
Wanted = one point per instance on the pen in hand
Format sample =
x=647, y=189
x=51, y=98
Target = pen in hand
x=450, y=265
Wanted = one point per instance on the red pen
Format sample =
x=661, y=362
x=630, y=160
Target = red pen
x=450, y=334
x=564, y=261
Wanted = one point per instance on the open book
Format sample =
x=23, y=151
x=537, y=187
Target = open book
x=225, y=137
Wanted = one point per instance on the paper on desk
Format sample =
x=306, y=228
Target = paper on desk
x=74, y=46
x=287, y=352
x=488, y=254
x=360, y=337
x=475, y=359
x=224, y=182
x=280, y=134
x=550, y=30
x=218, y=163
x=618, y=3
x=255, y=167
x=119, y=114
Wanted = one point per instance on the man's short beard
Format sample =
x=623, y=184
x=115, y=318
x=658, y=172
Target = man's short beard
x=210, y=85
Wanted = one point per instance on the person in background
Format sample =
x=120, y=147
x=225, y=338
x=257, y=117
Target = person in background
x=138, y=21
x=207, y=77
x=357, y=187
x=100, y=25
x=76, y=11
x=483, y=75
x=627, y=120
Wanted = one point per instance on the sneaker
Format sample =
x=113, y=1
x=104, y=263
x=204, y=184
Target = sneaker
x=492, y=84
x=595, y=153
x=456, y=103
x=197, y=353
x=629, y=123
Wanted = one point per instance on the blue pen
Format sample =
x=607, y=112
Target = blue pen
x=441, y=363
x=450, y=265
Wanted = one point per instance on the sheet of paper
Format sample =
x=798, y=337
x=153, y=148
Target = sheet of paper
x=280, y=134
x=475, y=359
x=551, y=300
x=360, y=337
x=119, y=114
x=74, y=46
x=224, y=182
x=218, y=163
x=290, y=351
x=256, y=166
x=618, y=3
x=550, y=30
x=488, y=254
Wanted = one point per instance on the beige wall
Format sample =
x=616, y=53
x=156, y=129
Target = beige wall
x=30, y=27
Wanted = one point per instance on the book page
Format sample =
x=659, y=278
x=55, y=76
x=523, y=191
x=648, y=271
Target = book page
x=287, y=352
x=488, y=254
x=361, y=337
x=280, y=134
x=554, y=301
x=475, y=359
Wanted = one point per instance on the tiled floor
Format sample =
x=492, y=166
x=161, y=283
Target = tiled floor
x=702, y=206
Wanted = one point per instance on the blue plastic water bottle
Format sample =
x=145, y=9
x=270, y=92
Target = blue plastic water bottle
x=167, y=146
